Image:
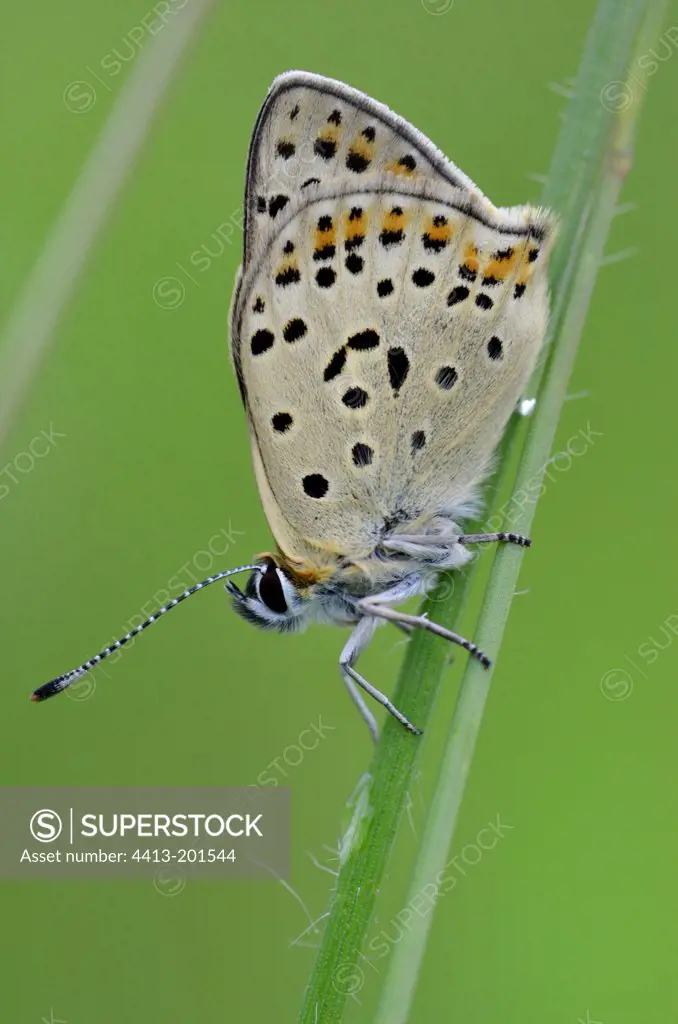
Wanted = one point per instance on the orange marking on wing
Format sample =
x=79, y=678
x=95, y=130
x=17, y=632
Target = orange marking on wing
x=325, y=236
x=395, y=167
x=287, y=265
x=526, y=267
x=394, y=221
x=470, y=260
x=330, y=133
x=362, y=147
x=355, y=227
x=439, y=232
x=503, y=267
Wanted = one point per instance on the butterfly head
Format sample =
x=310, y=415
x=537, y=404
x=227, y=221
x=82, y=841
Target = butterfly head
x=272, y=598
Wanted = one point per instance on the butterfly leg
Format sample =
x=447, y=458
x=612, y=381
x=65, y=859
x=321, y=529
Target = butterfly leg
x=359, y=639
x=492, y=538
x=372, y=607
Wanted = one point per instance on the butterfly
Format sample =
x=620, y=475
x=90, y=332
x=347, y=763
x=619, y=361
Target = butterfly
x=385, y=321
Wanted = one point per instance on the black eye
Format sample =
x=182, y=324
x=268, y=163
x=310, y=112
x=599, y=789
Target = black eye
x=271, y=591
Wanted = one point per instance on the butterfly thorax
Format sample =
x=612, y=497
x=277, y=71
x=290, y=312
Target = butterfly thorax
x=404, y=559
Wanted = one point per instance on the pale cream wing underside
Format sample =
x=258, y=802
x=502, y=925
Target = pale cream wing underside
x=313, y=132
x=382, y=333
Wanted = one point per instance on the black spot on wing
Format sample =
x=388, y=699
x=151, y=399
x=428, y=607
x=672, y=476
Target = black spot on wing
x=315, y=485
x=434, y=244
x=356, y=162
x=325, y=277
x=457, y=294
x=446, y=377
x=261, y=341
x=325, y=148
x=423, y=277
x=495, y=349
x=294, y=329
x=336, y=364
x=355, y=398
x=362, y=455
x=282, y=421
x=467, y=273
x=439, y=238
x=290, y=275
x=276, y=204
x=364, y=340
x=388, y=237
x=398, y=368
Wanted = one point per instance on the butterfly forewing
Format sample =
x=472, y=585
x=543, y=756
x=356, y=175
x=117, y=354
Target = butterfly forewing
x=313, y=132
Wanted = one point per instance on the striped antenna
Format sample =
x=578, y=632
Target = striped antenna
x=60, y=683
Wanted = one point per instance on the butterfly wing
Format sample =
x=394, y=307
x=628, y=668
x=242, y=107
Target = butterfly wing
x=313, y=132
x=385, y=323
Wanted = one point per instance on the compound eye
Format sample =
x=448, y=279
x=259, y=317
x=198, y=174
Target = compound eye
x=271, y=590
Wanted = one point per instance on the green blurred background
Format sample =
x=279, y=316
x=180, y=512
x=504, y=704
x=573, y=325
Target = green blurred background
x=572, y=916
